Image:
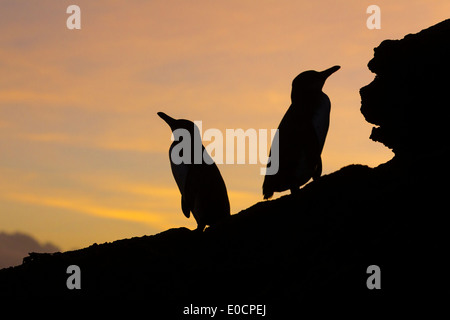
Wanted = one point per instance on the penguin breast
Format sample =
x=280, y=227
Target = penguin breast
x=179, y=171
x=321, y=119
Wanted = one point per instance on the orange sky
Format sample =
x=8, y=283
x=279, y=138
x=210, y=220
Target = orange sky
x=83, y=156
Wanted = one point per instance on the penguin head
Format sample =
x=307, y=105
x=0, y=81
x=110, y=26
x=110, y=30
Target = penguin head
x=311, y=82
x=175, y=124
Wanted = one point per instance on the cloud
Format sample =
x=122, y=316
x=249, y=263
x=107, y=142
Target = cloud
x=105, y=141
x=4, y=124
x=87, y=207
x=14, y=247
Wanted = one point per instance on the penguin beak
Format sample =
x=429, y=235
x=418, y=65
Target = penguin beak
x=169, y=120
x=329, y=72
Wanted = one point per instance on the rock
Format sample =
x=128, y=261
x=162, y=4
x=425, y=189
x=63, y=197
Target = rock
x=408, y=99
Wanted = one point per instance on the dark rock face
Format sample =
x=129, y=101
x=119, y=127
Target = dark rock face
x=408, y=99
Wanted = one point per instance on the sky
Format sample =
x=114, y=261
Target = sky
x=83, y=155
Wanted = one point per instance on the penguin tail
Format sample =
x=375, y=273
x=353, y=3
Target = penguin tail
x=267, y=194
x=266, y=190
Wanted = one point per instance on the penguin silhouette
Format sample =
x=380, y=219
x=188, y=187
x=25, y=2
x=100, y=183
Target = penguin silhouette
x=301, y=135
x=203, y=191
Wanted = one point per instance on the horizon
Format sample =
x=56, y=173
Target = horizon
x=84, y=156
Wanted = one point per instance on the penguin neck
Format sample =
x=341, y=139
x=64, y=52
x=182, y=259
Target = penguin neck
x=304, y=103
x=191, y=151
x=306, y=96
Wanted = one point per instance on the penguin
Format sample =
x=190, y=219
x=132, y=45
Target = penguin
x=301, y=135
x=202, y=188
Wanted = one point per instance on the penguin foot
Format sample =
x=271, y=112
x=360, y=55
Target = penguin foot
x=268, y=195
x=200, y=228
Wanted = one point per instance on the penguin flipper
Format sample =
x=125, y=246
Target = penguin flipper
x=318, y=170
x=185, y=208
